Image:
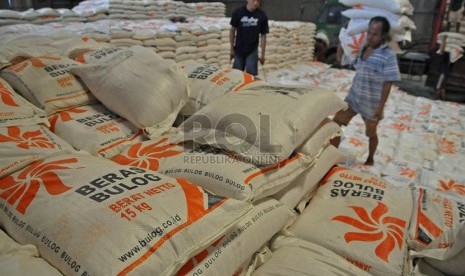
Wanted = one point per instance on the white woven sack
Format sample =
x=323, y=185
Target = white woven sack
x=300, y=191
x=138, y=221
x=357, y=26
x=47, y=83
x=10, y=14
x=437, y=231
x=138, y=85
x=238, y=245
x=396, y=6
x=351, y=44
x=293, y=256
x=264, y=123
x=17, y=111
x=397, y=22
x=19, y=260
x=214, y=170
x=23, y=145
x=363, y=219
x=207, y=82
x=95, y=129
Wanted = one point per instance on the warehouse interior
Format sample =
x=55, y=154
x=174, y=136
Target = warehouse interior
x=235, y=137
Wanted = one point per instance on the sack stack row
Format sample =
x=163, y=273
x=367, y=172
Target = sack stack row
x=201, y=40
x=93, y=10
x=353, y=36
x=96, y=145
x=289, y=43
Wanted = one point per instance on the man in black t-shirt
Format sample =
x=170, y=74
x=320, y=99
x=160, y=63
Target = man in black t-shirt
x=248, y=24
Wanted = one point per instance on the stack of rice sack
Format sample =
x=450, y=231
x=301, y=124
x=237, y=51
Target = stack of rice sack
x=9, y=17
x=72, y=110
x=438, y=228
x=42, y=16
x=289, y=43
x=212, y=9
x=455, y=42
x=134, y=10
x=68, y=15
x=354, y=35
x=90, y=195
x=186, y=43
x=269, y=147
x=251, y=176
x=213, y=43
x=93, y=10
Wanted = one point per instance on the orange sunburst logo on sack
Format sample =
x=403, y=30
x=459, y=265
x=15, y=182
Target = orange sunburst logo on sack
x=356, y=142
x=407, y=172
x=27, y=140
x=399, y=126
x=447, y=146
x=357, y=43
x=425, y=110
x=377, y=227
x=405, y=118
x=147, y=157
x=451, y=186
x=34, y=62
x=6, y=96
x=24, y=187
x=64, y=116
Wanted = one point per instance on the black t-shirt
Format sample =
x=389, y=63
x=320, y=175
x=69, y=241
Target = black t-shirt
x=456, y=5
x=249, y=25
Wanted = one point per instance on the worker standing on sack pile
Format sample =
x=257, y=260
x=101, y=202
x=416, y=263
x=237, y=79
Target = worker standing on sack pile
x=456, y=13
x=376, y=68
x=248, y=25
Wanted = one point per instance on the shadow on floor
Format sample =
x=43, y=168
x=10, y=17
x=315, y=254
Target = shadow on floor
x=414, y=85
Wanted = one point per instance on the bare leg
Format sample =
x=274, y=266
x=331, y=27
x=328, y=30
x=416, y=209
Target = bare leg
x=372, y=145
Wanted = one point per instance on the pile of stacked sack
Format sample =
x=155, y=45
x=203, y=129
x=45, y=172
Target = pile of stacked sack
x=288, y=43
x=150, y=9
x=96, y=145
x=93, y=10
x=353, y=36
x=201, y=40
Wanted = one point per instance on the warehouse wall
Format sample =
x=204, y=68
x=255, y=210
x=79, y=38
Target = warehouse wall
x=424, y=18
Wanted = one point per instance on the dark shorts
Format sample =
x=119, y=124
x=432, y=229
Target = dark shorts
x=249, y=63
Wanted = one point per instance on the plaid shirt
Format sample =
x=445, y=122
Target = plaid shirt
x=366, y=90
